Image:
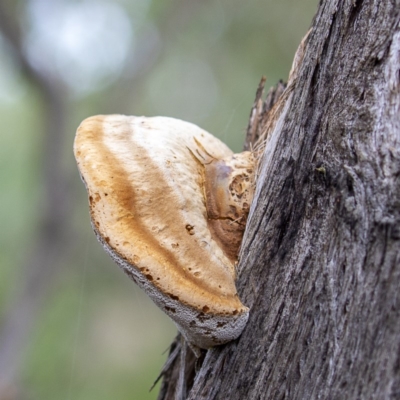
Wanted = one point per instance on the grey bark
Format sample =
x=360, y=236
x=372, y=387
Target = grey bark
x=320, y=260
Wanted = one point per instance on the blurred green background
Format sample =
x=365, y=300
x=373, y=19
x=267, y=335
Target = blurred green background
x=72, y=325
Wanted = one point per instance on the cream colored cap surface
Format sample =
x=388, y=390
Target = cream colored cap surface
x=147, y=203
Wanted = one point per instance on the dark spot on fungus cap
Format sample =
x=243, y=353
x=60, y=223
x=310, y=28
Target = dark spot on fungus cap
x=173, y=297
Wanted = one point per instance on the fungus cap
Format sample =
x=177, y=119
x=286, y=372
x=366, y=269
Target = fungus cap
x=155, y=187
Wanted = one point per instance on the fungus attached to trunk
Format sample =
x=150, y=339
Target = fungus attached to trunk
x=169, y=203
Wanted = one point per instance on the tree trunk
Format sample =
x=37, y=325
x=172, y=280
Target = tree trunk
x=320, y=260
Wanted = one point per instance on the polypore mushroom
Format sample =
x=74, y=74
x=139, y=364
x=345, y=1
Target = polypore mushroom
x=169, y=203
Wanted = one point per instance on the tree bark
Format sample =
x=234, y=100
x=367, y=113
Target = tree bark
x=320, y=260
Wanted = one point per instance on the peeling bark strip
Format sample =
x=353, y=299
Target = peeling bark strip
x=320, y=260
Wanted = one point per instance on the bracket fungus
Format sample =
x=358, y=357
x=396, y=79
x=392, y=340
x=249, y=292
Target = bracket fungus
x=169, y=203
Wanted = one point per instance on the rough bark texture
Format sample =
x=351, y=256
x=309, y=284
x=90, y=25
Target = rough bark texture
x=320, y=261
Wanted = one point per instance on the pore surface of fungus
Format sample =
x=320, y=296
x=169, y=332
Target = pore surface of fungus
x=169, y=203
